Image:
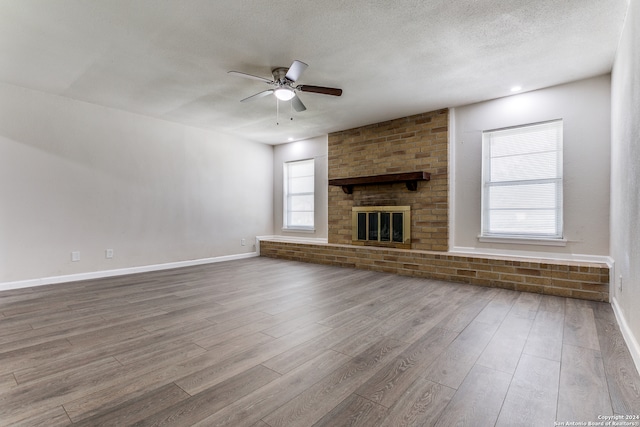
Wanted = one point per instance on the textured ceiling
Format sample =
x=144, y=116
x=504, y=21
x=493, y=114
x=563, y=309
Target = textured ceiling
x=169, y=59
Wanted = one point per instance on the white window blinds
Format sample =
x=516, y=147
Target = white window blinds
x=522, y=174
x=299, y=195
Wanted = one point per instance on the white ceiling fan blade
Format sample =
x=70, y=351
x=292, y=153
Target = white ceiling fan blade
x=296, y=70
x=297, y=104
x=250, y=76
x=258, y=95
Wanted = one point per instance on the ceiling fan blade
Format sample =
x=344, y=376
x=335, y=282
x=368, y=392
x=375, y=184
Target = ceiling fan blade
x=258, y=95
x=296, y=70
x=297, y=104
x=320, y=89
x=250, y=76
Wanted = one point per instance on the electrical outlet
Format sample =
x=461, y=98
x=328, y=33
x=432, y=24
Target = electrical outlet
x=75, y=256
x=243, y=242
x=108, y=253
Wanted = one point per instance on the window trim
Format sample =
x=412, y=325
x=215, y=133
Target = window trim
x=485, y=236
x=285, y=198
x=519, y=240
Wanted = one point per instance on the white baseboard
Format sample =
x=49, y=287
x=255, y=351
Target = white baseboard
x=119, y=272
x=629, y=338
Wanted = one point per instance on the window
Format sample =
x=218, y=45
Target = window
x=522, y=181
x=298, y=195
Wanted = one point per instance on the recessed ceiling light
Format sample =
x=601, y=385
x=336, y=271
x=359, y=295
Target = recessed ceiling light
x=516, y=88
x=290, y=139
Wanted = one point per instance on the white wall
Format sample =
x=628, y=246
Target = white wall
x=313, y=148
x=584, y=107
x=79, y=177
x=625, y=179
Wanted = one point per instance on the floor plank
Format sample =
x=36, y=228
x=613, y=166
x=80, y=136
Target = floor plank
x=253, y=407
x=7, y=382
x=583, y=394
x=319, y=399
x=478, y=400
x=504, y=350
x=391, y=381
x=498, y=308
x=226, y=368
x=55, y=390
x=580, y=326
x=135, y=410
x=533, y=394
x=620, y=369
x=53, y=417
x=298, y=355
x=354, y=411
x=136, y=379
x=546, y=335
x=211, y=400
x=422, y=404
x=453, y=365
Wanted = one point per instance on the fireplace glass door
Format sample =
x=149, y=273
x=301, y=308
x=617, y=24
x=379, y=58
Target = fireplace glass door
x=382, y=224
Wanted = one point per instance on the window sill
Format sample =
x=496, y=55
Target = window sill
x=523, y=240
x=298, y=230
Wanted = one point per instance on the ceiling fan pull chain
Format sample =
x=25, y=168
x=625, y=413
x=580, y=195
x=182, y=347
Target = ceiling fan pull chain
x=277, y=111
x=291, y=109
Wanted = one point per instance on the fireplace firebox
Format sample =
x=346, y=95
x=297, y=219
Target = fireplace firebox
x=381, y=225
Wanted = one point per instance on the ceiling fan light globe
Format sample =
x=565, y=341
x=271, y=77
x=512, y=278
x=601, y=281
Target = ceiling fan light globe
x=284, y=94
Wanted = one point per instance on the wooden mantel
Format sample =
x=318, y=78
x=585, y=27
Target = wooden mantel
x=409, y=178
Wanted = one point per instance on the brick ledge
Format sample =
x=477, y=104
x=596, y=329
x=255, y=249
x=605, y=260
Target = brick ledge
x=575, y=279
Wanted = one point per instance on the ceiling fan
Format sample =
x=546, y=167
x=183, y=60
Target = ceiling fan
x=285, y=87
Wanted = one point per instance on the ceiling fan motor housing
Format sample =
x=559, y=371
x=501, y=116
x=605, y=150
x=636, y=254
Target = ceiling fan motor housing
x=279, y=74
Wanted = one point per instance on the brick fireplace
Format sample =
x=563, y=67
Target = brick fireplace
x=410, y=144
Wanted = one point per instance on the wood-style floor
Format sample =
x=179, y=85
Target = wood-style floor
x=263, y=342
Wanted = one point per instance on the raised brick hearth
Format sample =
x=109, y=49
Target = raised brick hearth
x=582, y=280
